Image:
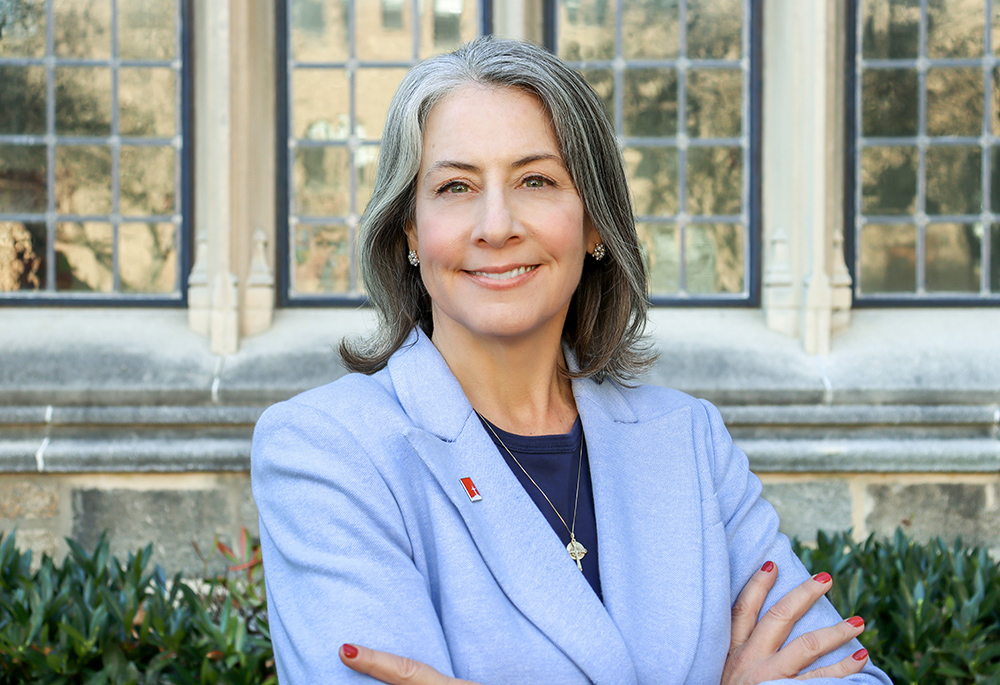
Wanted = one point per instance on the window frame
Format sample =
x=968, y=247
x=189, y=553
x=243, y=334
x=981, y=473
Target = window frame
x=185, y=157
x=852, y=187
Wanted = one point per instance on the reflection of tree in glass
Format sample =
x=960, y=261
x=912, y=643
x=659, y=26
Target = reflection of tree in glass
x=954, y=28
x=322, y=263
x=954, y=176
x=650, y=103
x=714, y=28
x=587, y=30
x=20, y=263
x=22, y=100
x=83, y=256
x=889, y=180
x=890, y=29
x=954, y=101
x=82, y=28
x=22, y=28
x=714, y=180
x=649, y=29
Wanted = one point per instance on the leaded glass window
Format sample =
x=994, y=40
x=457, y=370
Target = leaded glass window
x=677, y=78
x=345, y=59
x=926, y=122
x=92, y=154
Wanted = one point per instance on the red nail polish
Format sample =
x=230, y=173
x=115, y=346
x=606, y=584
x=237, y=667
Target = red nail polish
x=768, y=565
x=350, y=651
x=822, y=578
x=856, y=621
x=860, y=655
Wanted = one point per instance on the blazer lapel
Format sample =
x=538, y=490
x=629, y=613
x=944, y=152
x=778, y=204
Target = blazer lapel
x=523, y=553
x=649, y=527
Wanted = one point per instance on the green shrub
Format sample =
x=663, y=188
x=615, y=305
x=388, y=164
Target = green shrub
x=95, y=620
x=932, y=612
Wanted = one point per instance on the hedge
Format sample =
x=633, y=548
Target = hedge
x=932, y=614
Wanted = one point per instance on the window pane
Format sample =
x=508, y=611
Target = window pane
x=147, y=257
x=713, y=258
x=888, y=258
x=147, y=29
x=653, y=175
x=995, y=102
x=147, y=102
x=714, y=180
x=321, y=104
x=603, y=83
x=82, y=28
x=83, y=179
x=22, y=100
x=375, y=88
x=22, y=178
x=888, y=180
x=650, y=29
x=83, y=256
x=995, y=178
x=321, y=181
x=365, y=163
x=955, y=29
x=586, y=30
x=650, y=102
x=23, y=33
x=319, y=30
x=661, y=248
x=451, y=23
x=322, y=259
x=891, y=28
x=381, y=39
x=147, y=180
x=715, y=103
x=955, y=101
x=889, y=102
x=953, y=257
x=954, y=180
x=713, y=29
x=22, y=256
x=83, y=101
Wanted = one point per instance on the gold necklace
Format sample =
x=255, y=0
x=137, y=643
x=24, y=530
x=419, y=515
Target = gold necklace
x=575, y=549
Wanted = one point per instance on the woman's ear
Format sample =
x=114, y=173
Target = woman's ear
x=592, y=236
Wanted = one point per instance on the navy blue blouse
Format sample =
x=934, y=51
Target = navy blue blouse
x=553, y=461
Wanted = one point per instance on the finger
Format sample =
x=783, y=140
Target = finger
x=777, y=622
x=749, y=603
x=390, y=668
x=804, y=650
x=849, y=665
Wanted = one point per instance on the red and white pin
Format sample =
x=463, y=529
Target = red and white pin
x=471, y=490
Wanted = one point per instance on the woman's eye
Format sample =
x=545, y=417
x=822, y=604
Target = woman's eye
x=535, y=182
x=454, y=188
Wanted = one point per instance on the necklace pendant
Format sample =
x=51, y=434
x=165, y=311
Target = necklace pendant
x=576, y=551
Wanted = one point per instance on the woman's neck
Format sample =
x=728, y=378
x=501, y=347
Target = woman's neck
x=516, y=384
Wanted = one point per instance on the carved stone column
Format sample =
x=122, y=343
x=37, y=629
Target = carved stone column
x=806, y=286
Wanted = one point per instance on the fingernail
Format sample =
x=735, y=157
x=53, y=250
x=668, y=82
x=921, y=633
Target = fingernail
x=856, y=621
x=822, y=578
x=350, y=651
x=860, y=655
x=768, y=565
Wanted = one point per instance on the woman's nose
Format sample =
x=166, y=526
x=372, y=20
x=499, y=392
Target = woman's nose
x=497, y=223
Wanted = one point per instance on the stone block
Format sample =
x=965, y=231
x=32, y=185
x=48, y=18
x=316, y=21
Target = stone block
x=248, y=508
x=27, y=500
x=805, y=507
x=171, y=519
x=947, y=510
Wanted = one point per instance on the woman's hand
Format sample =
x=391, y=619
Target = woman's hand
x=755, y=652
x=392, y=669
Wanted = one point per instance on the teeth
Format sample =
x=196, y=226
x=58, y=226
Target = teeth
x=506, y=274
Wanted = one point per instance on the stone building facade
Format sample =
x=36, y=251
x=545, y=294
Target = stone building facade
x=138, y=420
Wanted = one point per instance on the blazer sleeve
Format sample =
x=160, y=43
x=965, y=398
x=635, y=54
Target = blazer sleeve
x=337, y=558
x=752, y=533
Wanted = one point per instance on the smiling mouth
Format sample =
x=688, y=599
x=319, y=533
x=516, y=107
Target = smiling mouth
x=513, y=273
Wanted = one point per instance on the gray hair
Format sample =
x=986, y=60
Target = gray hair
x=607, y=316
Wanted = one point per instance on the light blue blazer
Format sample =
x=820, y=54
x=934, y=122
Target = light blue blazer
x=369, y=536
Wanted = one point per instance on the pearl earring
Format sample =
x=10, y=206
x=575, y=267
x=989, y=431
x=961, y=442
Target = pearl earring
x=599, y=251
x=414, y=259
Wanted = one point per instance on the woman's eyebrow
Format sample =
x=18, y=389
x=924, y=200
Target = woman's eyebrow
x=472, y=168
x=538, y=157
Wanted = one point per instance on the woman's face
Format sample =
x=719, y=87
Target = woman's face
x=499, y=228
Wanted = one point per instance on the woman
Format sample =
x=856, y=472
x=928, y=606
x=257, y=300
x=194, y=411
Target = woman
x=440, y=504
